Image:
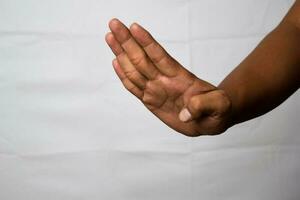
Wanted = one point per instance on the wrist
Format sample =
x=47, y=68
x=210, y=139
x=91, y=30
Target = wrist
x=231, y=116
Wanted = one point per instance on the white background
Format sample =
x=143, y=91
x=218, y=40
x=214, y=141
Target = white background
x=69, y=130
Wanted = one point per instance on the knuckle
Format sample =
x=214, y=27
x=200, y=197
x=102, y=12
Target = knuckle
x=195, y=103
x=138, y=60
x=129, y=88
x=127, y=85
x=160, y=53
x=159, y=58
x=132, y=75
x=135, y=77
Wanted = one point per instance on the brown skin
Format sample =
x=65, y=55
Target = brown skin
x=270, y=74
x=166, y=88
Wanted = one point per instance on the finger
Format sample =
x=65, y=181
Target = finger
x=135, y=53
x=158, y=55
x=126, y=82
x=130, y=71
x=113, y=44
x=214, y=103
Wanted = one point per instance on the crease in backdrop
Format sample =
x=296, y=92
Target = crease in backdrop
x=69, y=130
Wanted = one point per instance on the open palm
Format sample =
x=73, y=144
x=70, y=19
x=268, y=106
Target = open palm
x=184, y=102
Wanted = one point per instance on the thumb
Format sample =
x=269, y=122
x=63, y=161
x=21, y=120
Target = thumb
x=211, y=103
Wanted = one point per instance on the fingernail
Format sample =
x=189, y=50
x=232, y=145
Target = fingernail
x=185, y=115
x=135, y=25
x=115, y=19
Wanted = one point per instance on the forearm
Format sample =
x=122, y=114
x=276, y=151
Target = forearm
x=270, y=74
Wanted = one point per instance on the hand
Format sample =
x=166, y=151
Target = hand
x=184, y=102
